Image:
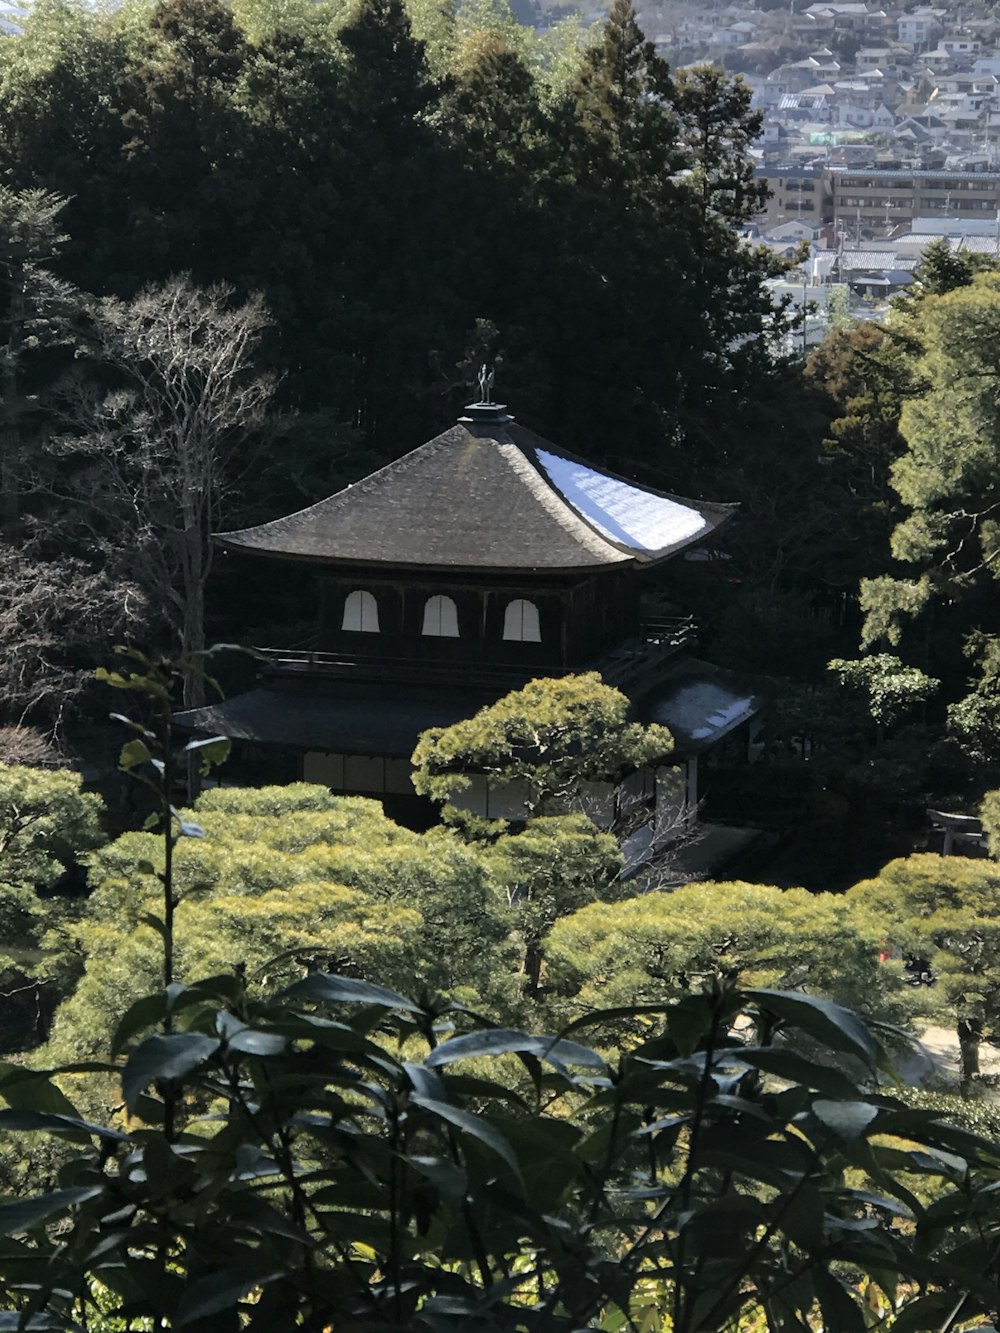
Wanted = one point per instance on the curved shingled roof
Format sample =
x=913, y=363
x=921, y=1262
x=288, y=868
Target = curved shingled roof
x=487, y=495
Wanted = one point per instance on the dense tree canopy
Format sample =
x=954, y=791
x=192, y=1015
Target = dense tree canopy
x=47, y=822
x=656, y=945
x=287, y=879
x=945, y=910
x=945, y=542
x=382, y=201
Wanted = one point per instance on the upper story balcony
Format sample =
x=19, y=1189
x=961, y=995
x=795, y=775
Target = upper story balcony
x=624, y=666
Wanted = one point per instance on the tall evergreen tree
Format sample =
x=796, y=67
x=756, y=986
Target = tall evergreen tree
x=36, y=308
x=718, y=128
x=942, y=269
x=624, y=104
x=397, y=291
x=947, y=544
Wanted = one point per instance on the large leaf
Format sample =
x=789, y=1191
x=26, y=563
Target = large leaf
x=596, y=1017
x=927, y=1312
x=221, y=1291
x=794, y=1068
x=13, y=1322
x=258, y=1043
x=27, y=1213
x=322, y=986
x=27, y=1090
x=148, y=1010
x=840, y=1310
x=210, y=751
x=827, y=1022
x=848, y=1120
x=473, y=1125
x=168, y=1057
x=28, y=1121
x=499, y=1041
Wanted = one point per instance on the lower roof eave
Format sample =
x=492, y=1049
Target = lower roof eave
x=353, y=721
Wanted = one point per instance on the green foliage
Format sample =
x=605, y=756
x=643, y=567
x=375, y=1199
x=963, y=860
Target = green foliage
x=838, y=309
x=339, y=1151
x=47, y=822
x=286, y=879
x=948, y=473
x=718, y=129
x=945, y=909
x=187, y=135
x=891, y=690
x=547, y=741
x=942, y=269
x=361, y=1160
x=989, y=813
x=864, y=375
x=36, y=311
x=944, y=542
x=657, y=946
x=554, y=866
x=624, y=106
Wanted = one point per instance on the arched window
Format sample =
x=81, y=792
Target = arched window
x=360, y=612
x=520, y=622
x=440, y=618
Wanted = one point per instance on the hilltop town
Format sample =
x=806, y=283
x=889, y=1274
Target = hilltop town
x=881, y=133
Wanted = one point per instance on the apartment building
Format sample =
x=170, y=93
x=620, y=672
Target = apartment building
x=867, y=202
x=798, y=194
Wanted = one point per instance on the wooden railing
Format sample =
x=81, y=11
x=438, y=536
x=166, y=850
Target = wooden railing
x=658, y=640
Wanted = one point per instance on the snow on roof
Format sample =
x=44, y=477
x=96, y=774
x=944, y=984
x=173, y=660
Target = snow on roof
x=621, y=512
x=702, y=710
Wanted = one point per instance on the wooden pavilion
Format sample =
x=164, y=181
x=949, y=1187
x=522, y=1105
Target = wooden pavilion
x=483, y=558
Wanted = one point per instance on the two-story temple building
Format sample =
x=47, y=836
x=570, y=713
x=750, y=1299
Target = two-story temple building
x=484, y=558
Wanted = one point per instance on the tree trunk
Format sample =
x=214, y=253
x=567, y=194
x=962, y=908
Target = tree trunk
x=970, y=1034
x=533, y=966
x=193, y=643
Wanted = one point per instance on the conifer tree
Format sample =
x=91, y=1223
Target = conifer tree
x=719, y=126
x=36, y=308
x=624, y=105
x=947, y=544
x=942, y=269
x=398, y=223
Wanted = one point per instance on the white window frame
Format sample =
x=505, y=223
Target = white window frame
x=440, y=618
x=360, y=612
x=521, y=623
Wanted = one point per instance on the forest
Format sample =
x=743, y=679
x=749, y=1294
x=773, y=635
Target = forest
x=272, y=1060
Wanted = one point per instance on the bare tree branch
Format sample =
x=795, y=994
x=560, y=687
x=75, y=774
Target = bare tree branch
x=158, y=456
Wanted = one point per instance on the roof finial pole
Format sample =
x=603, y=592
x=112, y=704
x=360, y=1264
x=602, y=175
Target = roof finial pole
x=486, y=377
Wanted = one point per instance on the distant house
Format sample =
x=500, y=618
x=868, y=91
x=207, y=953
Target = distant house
x=920, y=28
x=874, y=273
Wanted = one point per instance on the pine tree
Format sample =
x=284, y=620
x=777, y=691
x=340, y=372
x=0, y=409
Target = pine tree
x=719, y=126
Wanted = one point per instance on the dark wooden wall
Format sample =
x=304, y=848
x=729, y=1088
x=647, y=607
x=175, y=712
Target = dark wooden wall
x=578, y=618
